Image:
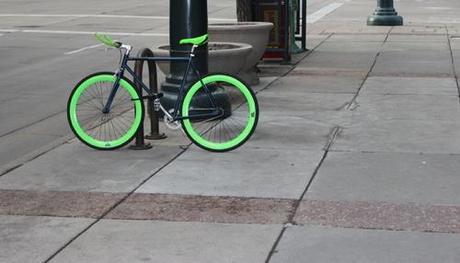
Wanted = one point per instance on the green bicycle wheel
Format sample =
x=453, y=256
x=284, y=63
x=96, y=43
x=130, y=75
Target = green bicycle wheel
x=220, y=115
x=99, y=130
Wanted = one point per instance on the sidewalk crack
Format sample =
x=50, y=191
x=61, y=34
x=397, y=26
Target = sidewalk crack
x=353, y=101
x=113, y=207
x=454, y=68
x=290, y=222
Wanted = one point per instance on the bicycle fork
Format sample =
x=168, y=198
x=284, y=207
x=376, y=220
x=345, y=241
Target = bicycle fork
x=118, y=75
x=116, y=85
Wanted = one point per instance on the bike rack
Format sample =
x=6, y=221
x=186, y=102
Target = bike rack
x=153, y=115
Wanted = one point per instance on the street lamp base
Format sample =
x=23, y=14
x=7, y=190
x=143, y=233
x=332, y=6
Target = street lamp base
x=385, y=20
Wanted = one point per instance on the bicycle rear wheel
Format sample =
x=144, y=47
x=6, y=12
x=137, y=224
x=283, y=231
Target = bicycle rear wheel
x=220, y=115
x=99, y=130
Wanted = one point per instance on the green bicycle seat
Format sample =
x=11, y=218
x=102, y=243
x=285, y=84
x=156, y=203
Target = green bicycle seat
x=195, y=41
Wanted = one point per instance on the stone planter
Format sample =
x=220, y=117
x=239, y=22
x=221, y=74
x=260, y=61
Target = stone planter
x=255, y=34
x=224, y=57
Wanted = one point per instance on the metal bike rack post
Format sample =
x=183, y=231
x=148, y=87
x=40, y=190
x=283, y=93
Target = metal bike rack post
x=153, y=115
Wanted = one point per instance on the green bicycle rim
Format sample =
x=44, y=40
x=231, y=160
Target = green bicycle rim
x=252, y=114
x=81, y=133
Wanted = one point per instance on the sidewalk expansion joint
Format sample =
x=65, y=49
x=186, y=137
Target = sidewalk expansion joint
x=353, y=101
x=114, y=206
x=293, y=66
x=454, y=68
x=13, y=165
x=297, y=203
x=31, y=124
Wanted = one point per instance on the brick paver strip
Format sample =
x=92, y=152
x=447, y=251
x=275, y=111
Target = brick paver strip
x=146, y=207
x=216, y=209
x=61, y=204
x=243, y=210
x=380, y=215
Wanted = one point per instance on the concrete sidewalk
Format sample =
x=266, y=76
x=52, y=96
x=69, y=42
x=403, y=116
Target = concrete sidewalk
x=356, y=158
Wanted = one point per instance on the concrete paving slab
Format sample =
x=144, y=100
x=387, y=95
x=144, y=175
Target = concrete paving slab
x=76, y=167
x=58, y=122
x=140, y=241
x=362, y=47
x=351, y=27
x=13, y=112
x=400, y=136
x=259, y=173
x=264, y=82
x=294, y=130
x=334, y=60
x=419, y=29
x=456, y=55
x=313, y=40
x=391, y=177
x=408, y=107
x=323, y=244
x=359, y=57
x=455, y=43
x=437, y=38
x=18, y=145
x=292, y=100
x=409, y=86
x=417, y=45
x=357, y=38
x=310, y=70
x=414, y=63
x=297, y=82
x=34, y=239
x=425, y=59
x=268, y=69
x=174, y=138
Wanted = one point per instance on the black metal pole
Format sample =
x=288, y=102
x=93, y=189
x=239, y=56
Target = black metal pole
x=188, y=18
x=153, y=86
x=304, y=24
x=139, y=143
x=385, y=15
x=297, y=25
x=287, y=50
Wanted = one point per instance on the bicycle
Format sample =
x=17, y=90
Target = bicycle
x=219, y=112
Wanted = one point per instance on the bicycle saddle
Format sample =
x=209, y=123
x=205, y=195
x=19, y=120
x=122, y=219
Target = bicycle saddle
x=195, y=41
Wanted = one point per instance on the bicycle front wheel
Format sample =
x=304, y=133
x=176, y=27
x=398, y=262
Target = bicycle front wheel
x=219, y=112
x=104, y=130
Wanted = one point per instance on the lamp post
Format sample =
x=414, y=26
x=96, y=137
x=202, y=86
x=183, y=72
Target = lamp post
x=187, y=18
x=385, y=15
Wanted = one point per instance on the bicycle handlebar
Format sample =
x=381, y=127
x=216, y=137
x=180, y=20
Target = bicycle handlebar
x=108, y=41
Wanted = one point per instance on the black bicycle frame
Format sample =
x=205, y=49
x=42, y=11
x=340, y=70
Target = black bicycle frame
x=125, y=67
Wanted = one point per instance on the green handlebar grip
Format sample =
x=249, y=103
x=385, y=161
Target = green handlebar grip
x=106, y=40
